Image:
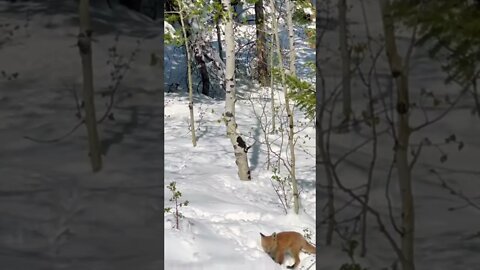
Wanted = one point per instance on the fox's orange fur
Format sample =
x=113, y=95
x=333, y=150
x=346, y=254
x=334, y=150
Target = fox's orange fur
x=277, y=244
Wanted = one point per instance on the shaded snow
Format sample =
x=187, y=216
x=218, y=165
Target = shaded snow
x=54, y=212
x=443, y=238
x=224, y=216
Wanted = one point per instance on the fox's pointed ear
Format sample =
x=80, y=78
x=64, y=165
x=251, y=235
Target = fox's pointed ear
x=274, y=234
x=261, y=234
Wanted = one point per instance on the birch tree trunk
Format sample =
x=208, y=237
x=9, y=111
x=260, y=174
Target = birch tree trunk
x=239, y=146
x=189, y=73
x=261, y=43
x=291, y=37
x=85, y=48
x=325, y=157
x=398, y=72
x=364, y=216
x=346, y=78
x=291, y=144
x=272, y=88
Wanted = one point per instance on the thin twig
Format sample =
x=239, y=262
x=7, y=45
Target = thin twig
x=457, y=193
x=56, y=139
x=443, y=114
x=389, y=201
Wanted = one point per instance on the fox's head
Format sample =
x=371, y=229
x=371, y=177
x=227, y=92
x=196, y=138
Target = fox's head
x=269, y=243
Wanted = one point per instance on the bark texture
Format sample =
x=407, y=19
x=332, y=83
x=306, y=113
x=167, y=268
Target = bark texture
x=288, y=108
x=346, y=76
x=402, y=139
x=291, y=38
x=189, y=74
x=85, y=48
x=239, y=146
x=262, y=67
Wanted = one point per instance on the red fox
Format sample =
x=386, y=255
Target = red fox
x=277, y=244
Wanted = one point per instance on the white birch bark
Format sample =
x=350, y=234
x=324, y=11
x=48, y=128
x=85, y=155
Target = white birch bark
x=272, y=89
x=189, y=74
x=291, y=146
x=291, y=37
x=239, y=146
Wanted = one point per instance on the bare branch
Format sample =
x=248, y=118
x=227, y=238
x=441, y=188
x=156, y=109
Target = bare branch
x=389, y=201
x=355, y=149
x=444, y=113
x=454, y=192
x=56, y=139
x=416, y=154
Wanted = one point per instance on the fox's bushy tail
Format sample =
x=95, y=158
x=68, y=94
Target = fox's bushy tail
x=309, y=248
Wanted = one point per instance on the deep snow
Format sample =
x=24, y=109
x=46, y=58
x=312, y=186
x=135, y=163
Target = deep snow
x=225, y=216
x=221, y=224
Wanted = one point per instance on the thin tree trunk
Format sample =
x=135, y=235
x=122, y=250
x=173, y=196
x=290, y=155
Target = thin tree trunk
x=261, y=43
x=291, y=38
x=296, y=201
x=402, y=139
x=327, y=167
x=239, y=146
x=371, y=109
x=198, y=51
x=85, y=48
x=203, y=73
x=219, y=37
x=272, y=90
x=189, y=74
x=346, y=76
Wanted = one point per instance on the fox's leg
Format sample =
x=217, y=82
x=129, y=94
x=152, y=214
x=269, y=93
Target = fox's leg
x=296, y=256
x=279, y=257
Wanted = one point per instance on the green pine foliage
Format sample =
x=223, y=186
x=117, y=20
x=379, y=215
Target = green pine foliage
x=305, y=100
x=205, y=12
x=301, y=92
x=175, y=39
x=311, y=36
x=451, y=31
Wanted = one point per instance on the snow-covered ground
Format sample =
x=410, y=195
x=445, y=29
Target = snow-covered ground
x=225, y=215
x=221, y=224
x=54, y=212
